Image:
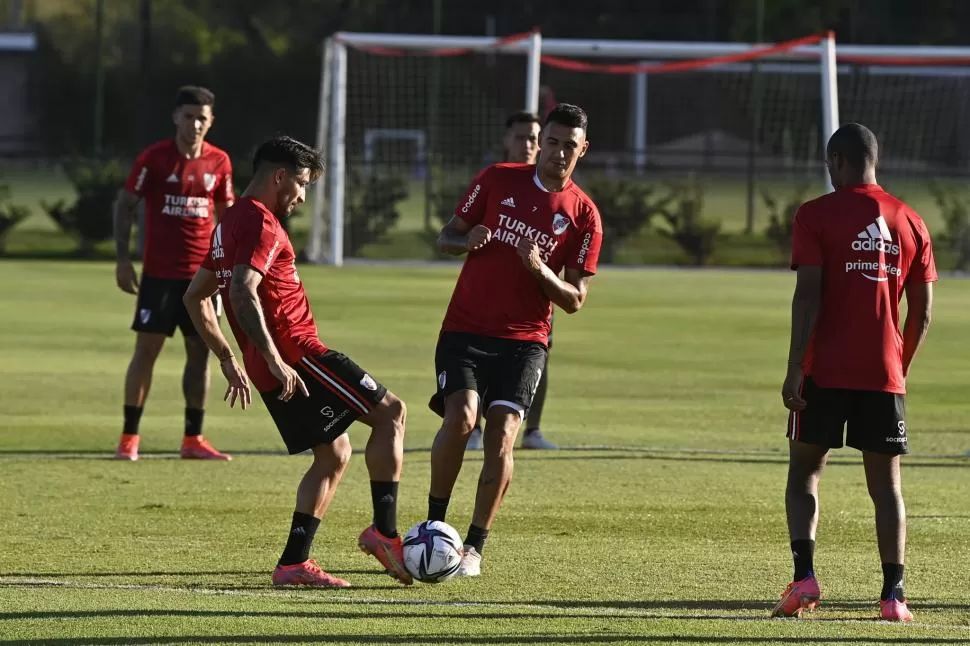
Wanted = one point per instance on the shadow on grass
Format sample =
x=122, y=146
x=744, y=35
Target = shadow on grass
x=450, y=638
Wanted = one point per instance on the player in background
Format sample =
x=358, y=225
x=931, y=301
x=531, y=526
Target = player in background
x=521, y=226
x=857, y=251
x=312, y=393
x=521, y=142
x=186, y=184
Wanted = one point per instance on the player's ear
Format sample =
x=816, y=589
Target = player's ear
x=585, y=147
x=279, y=176
x=175, y=116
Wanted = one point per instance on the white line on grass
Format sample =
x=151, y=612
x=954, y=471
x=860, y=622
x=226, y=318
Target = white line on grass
x=316, y=597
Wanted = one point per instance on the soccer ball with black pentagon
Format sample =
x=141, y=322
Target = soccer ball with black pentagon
x=432, y=551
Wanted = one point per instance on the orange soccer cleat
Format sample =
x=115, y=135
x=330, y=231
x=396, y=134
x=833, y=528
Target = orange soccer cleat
x=389, y=551
x=127, y=447
x=797, y=597
x=306, y=573
x=196, y=447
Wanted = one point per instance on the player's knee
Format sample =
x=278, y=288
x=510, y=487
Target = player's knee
x=392, y=415
x=461, y=418
x=147, y=350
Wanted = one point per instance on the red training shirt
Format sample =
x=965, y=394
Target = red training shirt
x=180, y=195
x=869, y=245
x=496, y=295
x=249, y=234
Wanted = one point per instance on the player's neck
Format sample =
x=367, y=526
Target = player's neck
x=267, y=200
x=553, y=184
x=189, y=151
x=865, y=179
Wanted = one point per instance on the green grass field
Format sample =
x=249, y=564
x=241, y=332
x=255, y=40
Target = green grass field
x=662, y=522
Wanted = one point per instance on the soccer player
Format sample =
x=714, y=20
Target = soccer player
x=521, y=143
x=857, y=251
x=521, y=226
x=186, y=184
x=312, y=393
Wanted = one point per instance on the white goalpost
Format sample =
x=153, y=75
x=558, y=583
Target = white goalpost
x=436, y=104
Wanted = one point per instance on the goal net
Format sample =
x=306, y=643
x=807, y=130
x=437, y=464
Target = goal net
x=411, y=119
x=421, y=117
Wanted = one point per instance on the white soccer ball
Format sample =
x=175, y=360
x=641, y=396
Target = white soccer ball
x=432, y=551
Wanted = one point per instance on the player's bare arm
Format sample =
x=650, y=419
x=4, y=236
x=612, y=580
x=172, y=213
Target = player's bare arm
x=804, y=312
x=919, y=306
x=459, y=237
x=198, y=303
x=124, y=219
x=569, y=292
x=249, y=314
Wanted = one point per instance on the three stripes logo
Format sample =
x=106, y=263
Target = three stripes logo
x=876, y=237
x=509, y=202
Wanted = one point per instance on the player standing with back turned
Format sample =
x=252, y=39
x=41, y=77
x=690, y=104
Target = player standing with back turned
x=186, y=184
x=521, y=226
x=856, y=251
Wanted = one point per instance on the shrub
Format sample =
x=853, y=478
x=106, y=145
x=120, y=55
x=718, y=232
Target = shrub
x=626, y=205
x=371, y=208
x=10, y=215
x=955, y=208
x=90, y=219
x=686, y=224
x=782, y=216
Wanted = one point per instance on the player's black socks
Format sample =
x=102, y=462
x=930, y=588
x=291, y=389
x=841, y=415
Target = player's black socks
x=193, y=421
x=437, y=508
x=384, y=497
x=132, y=417
x=803, y=552
x=530, y=431
x=302, y=530
x=892, y=582
x=476, y=537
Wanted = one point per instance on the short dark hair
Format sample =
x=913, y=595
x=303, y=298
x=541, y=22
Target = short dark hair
x=522, y=116
x=294, y=155
x=194, y=95
x=567, y=114
x=856, y=143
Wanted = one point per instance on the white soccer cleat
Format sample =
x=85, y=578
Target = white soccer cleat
x=535, y=440
x=474, y=440
x=471, y=562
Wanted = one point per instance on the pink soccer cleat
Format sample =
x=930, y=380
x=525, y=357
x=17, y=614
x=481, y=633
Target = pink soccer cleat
x=306, y=573
x=389, y=551
x=893, y=610
x=198, y=448
x=127, y=447
x=797, y=597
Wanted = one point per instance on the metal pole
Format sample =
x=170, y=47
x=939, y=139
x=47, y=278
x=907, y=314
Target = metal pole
x=337, y=154
x=830, y=95
x=640, y=121
x=314, y=249
x=532, y=73
x=432, y=157
x=755, y=117
x=98, y=77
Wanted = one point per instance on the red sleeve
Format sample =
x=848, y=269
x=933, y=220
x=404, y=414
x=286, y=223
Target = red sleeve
x=584, y=254
x=257, y=242
x=140, y=178
x=223, y=191
x=923, y=269
x=471, y=208
x=806, y=245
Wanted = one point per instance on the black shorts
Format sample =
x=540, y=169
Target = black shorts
x=500, y=370
x=340, y=393
x=160, y=309
x=876, y=420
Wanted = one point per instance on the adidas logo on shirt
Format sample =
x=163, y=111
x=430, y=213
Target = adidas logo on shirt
x=172, y=179
x=509, y=202
x=876, y=237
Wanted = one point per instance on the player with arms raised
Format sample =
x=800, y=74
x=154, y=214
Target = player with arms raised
x=521, y=226
x=521, y=142
x=856, y=251
x=312, y=393
x=186, y=184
